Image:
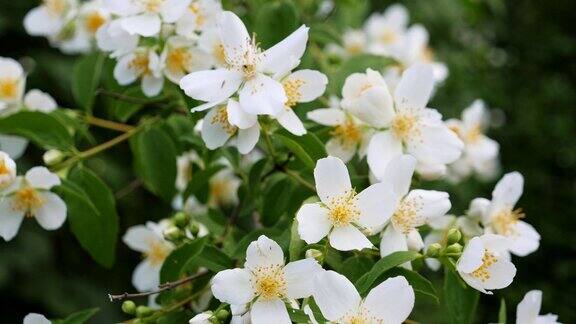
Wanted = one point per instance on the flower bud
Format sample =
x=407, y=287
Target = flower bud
x=172, y=233
x=316, y=254
x=129, y=307
x=52, y=157
x=194, y=228
x=180, y=219
x=453, y=249
x=222, y=314
x=453, y=236
x=143, y=311
x=433, y=250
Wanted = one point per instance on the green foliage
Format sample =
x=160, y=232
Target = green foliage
x=41, y=128
x=179, y=261
x=274, y=21
x=459, y=300
x=79, y=317
x=86, y=78
x=366, y=281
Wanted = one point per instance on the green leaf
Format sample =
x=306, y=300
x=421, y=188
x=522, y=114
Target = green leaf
x=155, y=155
x=275, y=20
x=357, y=63
x=78, y=317
x=41, y=128
x=180, y=260
x=200, y=181
x=308, y=148
x=459, y=301
x=125, y=109
x=255, y=174
x=277, y=198
x=86, y=78
x=353, y=268
x=422, y=286
x=296, y=244
x=213, y=259
x=502, y=312
x=365, y=283
x=351, y=13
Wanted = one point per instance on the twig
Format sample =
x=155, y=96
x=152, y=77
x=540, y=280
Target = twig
x=131, y=99
x=298, y=178
x=108, y=124
x=128, y=189
x=161, y=288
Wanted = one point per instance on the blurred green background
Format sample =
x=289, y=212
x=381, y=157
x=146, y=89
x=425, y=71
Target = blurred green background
x=519, y=56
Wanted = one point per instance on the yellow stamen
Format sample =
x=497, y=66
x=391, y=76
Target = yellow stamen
x=354, y=48
x=292, y=89
x=197, y=10
x=3, y=167
x=483, y=272
x=93, y=21
x=9, y=89
x=157, y=253
x=427, y=55
x=404, y=125
x=406, y=217
x=269, y=282
x=56, y=7
x=153, y=5
x=178, y=60
x=27, y=200
x=388, y=36
x=505, y=220
x=348, y=133
x=220, y=54
x=140, y=64
x=221, y=117
x=343, y=210
x=473, y=134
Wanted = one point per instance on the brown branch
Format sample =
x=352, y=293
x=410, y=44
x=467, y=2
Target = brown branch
x=161, y=288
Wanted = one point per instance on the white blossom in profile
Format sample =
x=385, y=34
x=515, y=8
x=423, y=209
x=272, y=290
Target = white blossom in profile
x=182, y=56
x=528, y=310
x=200, y=16
x=142, y=63
x=7, y=171
x=35, y=318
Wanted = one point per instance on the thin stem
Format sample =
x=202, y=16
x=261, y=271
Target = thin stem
x=130, y=99
x=161, y=288
x=108, y=124
x=125, y=191
x=298, y=178
x=269, y=145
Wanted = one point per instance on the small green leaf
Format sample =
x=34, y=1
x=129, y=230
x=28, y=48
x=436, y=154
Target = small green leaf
x=353, y=268
x=298, y=316
x=80, y=317
x=125, y=109
x=308, y=148
x=86, y=78
x=502, y=312
x=459, y=301
x=278, y=196
x=213, y=259
x=365, y=283
x=296, y=244
x=275, y=20
x=176, y=264
x=41, y=128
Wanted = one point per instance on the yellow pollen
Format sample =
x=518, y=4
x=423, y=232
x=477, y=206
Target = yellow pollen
x=249, y=71
x=197, y=10
x=404, y=125
x=221, y=117
x=140, y=64
x=344, y=210
x=348, y=133
x=93, y=21
x=483, y=273
x=220, y=54
x=178, y=60
x=269, y=282
x=505, y=220
x=474, y=134
x=427, y=55
x=218, y=190
x=8, y=89
x=4, y=168
x=27, y=200
x=157, y=253
x=388, y=36
x=152, y=5
x=56, y=7
x=355, y=48
x=406, y=218
x=292, y=89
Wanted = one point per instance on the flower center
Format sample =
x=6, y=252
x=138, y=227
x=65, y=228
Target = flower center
x=473, y=134
x=178, y=60
x=427, y=55
x=348, y=133
x=220, y=54
x=152, y=5
x=388, y=36
x=354, y=48
x=483, y=272
x=27, y=200
x=200, y=17
x=157, y=253
x=246, y=62
x=93, y=21
x=221, y=117
x=404, y=125
x=406, y=217
x=140, y=63
x=292, y=89
x=505, y=220
x=8, y=89
x=4, y=168
x=269, y=282
x=343, y=209
x=56, y=7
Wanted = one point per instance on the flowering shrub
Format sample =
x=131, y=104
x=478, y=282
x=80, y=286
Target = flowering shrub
x=294, y=159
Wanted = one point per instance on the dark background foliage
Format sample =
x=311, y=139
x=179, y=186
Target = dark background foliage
x=519, y=56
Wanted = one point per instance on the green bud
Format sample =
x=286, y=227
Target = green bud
x=453, y=236
x=51, y=157
x=214, y=320
x=316, y=254
x=180, y=219
x=129, y=307
x=172, y=233
x=453, y=249
x=194, y=228
x=433, y=250
x=143, y=311
x=222, y=314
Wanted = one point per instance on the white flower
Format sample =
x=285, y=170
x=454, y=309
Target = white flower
x=49, y=18
x=30, y=196
x=223, y=188
x=410, y=126
x=181, y=56
x=184, y=165
x=480, y=153
x=142, y=63
x=14, y=146
x=528, y=310
x=485, y=263
x=211, y=43
x=78, y=34
x=145, y=17
x=202, y=318
x=36, y=100
x=414, y=208
x=348, y=136
x=265, y=282
x=200, y=16
x=248, y=70
x=12, y=82
x=500, y=217
x=7, y=171
x=300, y=86
x=342, y=215
x=339, y=301
x=149, y=240
x=35, y=318
x=387, y=31
x=111, y=37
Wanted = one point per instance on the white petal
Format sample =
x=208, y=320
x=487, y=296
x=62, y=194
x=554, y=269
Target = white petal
x=151, y=86
x=262, y=95
x=139, y=238
x=269, y=311
x=263, y=252
x=248, y=138
x=414, y=240
x=313, y=84
x=237, y=116
x=373, y=107
x=171, y=10
x=10, y=219
x=382, y=148
x=327, y=116
x=376, y=204
x=211, y=85
x=287, y=51
x=40, y=22
x=392, y=241
x=14, y=146
x=233, y=286
x=146, y=276
x=337, y=148
x=335, y=295
x=436, y=144
x=332, y=179
x=347, y=238
x=501, y=275
x=121, y=7
x=300, y=277
x=290, y=121
x=399, y=172
x=391, y=301
x=34, y=318
x=52, y=214
x=471, y=258
x=431, y=203
x=144, y=25
x=508, y=190
x=528, y=309
x=479, y=208
x=38, y=100
x=42, y=178
x=414, y=89
x=313, y=223
x=525, y=241
x=123, y=73
x=214, y=132
x=441, y=223
x=234, y=36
